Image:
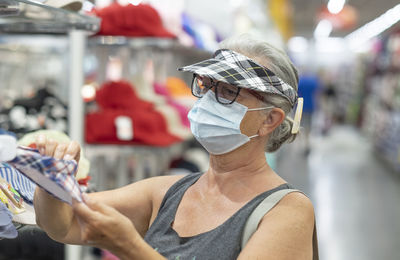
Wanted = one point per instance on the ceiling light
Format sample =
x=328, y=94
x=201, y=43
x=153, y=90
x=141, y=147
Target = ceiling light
x=330, y=45
x=88, y=92
x=335, y=6
x=323, y=29
x=368, y=31
x=236, y=3
x=298, y=44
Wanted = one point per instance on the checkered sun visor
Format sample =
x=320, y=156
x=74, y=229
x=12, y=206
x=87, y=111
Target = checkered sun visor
x=236, y=69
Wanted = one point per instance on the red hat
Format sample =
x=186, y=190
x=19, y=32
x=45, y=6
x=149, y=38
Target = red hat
x=119, y=99
x=120, y=95
x=131, y=20
x=149, y=128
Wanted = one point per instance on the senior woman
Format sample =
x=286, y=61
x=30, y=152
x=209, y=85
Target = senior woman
x=246, y=92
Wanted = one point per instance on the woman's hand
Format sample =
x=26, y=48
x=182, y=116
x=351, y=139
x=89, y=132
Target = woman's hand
x=66, y=151
x=57, y=224
x=103, y=226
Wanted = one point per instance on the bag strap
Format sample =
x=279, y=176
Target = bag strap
x=263, y=208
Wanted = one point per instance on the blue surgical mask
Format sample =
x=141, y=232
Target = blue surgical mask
x=217, y=126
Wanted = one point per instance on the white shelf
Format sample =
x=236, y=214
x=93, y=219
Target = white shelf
x=149, y=42
x=33, y=17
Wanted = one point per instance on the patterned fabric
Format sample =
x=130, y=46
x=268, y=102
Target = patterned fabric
x=236, y=69
x=24, y=186
x=61, y=172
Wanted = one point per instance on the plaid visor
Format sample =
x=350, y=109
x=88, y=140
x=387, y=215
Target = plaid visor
x=238, y=70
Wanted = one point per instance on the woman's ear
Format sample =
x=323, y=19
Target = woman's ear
x=272, y=120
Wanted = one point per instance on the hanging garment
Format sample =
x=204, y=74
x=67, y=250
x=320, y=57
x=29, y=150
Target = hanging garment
x=42, y=111
x=24, y=186
x=13, y=206
x=182, y=110
x=116, y=99
x=7, y=228
x=53, y=175
x=8, y=147
x=131, y=20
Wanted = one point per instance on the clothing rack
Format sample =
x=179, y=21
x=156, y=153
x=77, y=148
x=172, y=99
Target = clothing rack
x=58, y=21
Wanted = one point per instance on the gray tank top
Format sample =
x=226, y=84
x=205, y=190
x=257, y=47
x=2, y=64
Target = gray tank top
x=220, y=243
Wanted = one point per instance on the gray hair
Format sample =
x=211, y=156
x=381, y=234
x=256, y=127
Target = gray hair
x=279, y=63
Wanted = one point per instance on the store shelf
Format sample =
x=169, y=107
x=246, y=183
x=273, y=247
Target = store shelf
x=36, y=18
x=149, y=42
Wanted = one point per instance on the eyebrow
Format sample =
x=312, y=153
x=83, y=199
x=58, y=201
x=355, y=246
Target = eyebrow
x=255, y=94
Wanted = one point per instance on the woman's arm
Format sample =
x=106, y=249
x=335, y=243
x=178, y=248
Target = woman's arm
x=139, y=201
x=103, y=226
x=52, y=215
x=285, y=232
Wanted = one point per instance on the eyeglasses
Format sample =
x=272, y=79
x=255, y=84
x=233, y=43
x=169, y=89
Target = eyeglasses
x=224, y=93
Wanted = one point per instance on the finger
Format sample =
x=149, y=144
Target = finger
x=50, y=147
x=72, y=151
x=60, y=151
x=41, y=143
x=83, y=212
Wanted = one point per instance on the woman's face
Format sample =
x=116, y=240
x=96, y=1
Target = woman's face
x=226, y=94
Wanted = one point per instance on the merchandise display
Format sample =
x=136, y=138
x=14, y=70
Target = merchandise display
x=380, y=111
x=131, y=20
x=182, y=110
x=24, y=186
x=42, y=111
x=119, y=99
x=7, y=229
x=70, y=5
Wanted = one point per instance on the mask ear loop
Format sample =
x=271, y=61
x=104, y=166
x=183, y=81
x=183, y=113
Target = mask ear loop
x=259, y=108
x=297, y=116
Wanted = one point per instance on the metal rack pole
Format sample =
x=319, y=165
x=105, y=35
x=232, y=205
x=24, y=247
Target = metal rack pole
x=77, y=43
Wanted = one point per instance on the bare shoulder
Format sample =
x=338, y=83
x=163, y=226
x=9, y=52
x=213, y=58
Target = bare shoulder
x=296, y=202
x=160, y=184
x=295, y=210
x=285, y=232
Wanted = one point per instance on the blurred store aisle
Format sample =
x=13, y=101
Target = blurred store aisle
x=355, y=195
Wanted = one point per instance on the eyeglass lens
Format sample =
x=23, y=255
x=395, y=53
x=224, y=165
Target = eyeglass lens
x=224, y=93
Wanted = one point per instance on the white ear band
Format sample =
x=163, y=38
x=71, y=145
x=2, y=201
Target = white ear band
x=297, y=116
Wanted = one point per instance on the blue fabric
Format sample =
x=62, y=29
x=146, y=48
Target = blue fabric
x=5, y=215
x=308, y=85
x=4, y=132
x=7, y=228
x=24, y=186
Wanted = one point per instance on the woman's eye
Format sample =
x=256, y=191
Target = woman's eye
x=229, y=92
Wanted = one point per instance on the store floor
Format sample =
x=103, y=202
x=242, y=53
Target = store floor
x=356, y=197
